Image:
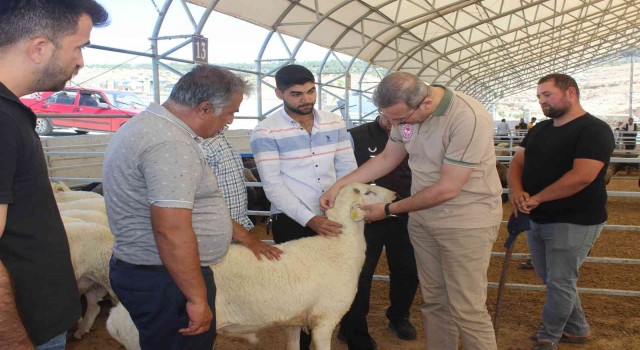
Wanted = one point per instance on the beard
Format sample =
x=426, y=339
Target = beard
x=54, y=77
x=554, y=113
x=298, y=110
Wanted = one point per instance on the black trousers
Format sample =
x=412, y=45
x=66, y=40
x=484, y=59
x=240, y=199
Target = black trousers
x=286, y=229
x=157, y=306
x=393, y=235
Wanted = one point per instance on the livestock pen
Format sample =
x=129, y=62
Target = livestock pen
x=610, y=279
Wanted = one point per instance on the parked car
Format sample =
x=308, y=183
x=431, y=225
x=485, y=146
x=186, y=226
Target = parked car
x=76, y=100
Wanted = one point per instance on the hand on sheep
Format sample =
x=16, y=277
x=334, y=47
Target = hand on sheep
x=260, y=248
x=328, y=197
x=200, y=317
x=324, y=227
x=374, y=212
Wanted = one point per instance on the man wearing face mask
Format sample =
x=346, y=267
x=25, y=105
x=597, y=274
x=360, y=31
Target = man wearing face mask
x=300, y=152
x=167, y=213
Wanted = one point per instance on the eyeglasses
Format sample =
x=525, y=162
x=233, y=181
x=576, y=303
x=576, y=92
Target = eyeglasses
x=403, y=120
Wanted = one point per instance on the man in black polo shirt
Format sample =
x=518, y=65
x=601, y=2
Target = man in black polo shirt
x=391, y=234
x=40, y=49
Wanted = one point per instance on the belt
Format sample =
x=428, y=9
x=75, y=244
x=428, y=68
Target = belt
x=119, y=262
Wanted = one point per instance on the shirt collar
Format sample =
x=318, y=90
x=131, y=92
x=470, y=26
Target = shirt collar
x=445, y=103
x=290, y=120
x=160, y=111
x=10, y=96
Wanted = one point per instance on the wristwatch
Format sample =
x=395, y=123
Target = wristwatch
x=387, y=212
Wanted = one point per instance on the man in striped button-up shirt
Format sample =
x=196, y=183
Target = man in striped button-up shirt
x=300, y=152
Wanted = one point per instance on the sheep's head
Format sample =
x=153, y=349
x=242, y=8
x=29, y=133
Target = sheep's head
x=357, y=194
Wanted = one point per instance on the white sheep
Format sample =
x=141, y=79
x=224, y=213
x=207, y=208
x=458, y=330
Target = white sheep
x=68, y=196
x=84, y=204
x=122, y=329
x=90, y=245
x=311, y=286
x=69, y=220
x=94, y=216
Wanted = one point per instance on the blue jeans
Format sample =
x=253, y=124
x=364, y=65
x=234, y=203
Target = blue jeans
x=56, y=343
x=557, y=252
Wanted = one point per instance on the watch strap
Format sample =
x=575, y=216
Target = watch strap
x=387, y=212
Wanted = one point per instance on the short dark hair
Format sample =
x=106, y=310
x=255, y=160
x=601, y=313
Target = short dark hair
x=400, y=87
x=293, y=74
x=51, y=19
x=561, y=81
x=208, y=83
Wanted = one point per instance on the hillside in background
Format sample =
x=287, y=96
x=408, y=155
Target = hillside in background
x=604, y=92
x=604, y=89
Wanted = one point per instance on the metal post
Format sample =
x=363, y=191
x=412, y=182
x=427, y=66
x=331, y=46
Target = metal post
x=259, y=88
x=633, y=52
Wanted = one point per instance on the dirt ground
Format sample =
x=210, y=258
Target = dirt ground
x=615, y=320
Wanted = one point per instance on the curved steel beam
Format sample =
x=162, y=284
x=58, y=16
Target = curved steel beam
x=533, y=37
x=502, y=48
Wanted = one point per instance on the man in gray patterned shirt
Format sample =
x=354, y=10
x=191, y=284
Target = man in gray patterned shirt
x=167, y=214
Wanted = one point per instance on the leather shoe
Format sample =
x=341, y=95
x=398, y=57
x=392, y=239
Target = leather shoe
x=403, y=329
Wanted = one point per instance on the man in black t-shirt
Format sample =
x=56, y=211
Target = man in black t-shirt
x=557, y=177
x=40, y=50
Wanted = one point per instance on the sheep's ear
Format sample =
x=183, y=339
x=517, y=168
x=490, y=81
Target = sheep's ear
x=357, y=214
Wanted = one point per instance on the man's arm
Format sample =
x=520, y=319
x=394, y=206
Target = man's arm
x=517, y=195
x=266, y=153
x=257, y=246
x=452, y=180
x=345, y=160
x=178, y=249
x=582, y=174
x=12, y=332
x=376, y=167
x=3, y=217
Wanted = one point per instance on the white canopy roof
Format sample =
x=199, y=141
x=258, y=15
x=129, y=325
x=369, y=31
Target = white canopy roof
x=487, y=49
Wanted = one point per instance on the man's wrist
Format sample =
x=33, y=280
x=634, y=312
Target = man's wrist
x=387, y=211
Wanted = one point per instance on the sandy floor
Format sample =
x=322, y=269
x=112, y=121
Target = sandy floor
x=615, y=320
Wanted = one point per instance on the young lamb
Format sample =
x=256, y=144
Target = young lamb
x=311, y=286
x=90, y=245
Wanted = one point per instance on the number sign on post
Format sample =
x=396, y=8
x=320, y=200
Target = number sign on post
x=200, y=50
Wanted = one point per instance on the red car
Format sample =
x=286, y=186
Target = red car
x=76, y=100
